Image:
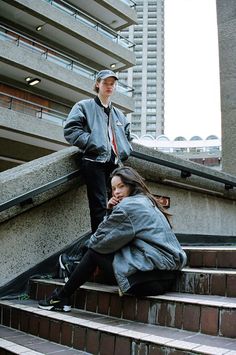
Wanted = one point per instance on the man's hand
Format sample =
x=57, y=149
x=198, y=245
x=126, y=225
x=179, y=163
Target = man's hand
x=112, y=202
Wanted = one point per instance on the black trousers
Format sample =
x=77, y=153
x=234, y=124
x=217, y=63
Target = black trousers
x=85, y=269
x=96, y=177
x=88, y=265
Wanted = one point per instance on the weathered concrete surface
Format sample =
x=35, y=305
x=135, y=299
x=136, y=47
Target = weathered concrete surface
x=226, y=18
x=198, y=205
x=30, y=235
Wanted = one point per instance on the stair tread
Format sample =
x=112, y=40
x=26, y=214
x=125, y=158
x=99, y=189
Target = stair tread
x=177, y=338
x=208, y=300
x=20, y=342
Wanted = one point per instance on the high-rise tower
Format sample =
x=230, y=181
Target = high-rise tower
x=147, y=77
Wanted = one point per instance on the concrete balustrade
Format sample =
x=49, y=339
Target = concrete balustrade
x=31, y=233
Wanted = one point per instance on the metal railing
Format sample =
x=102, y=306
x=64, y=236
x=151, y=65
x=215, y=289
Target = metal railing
x=131, y=3
x=89, y=21
x=27, y=197
x=185, y=172
x=52, y=55
x=30, y=108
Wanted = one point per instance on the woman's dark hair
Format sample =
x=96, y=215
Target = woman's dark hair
x=131, y=177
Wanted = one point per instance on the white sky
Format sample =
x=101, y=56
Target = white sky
x=192, y=92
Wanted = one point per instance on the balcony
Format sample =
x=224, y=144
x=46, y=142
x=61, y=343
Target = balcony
x=32, y=109
x=73, y=31
x=28, y=131
x=61, y=78
x=6, y=34
x=89, y=21
x=117, y=14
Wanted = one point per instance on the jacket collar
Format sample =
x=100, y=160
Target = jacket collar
x=98, y=101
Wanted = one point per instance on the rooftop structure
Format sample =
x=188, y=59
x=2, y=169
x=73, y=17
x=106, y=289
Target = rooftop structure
x=204, y=151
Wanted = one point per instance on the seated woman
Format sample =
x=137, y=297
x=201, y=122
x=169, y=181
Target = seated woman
x=134, y=243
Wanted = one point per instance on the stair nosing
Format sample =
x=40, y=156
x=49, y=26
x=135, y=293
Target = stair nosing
x=210, y=270
x=209, y=248
x=11, y=346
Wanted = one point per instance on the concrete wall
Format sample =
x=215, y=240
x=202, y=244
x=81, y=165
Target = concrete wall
x=198, y=205
x=29, y=235
x=226, y=18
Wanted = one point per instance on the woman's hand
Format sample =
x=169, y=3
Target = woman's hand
x=112, y=202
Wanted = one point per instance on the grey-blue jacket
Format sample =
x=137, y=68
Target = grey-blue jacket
x=141, y=238
x=87, y=128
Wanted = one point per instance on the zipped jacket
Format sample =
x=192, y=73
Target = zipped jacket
x=140, y=237
x=87, y=128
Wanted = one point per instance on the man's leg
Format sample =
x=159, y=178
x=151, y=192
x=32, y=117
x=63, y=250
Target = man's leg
x=95, y=179
x=96, y=175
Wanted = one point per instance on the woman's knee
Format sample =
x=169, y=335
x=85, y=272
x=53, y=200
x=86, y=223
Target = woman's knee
x=153, y=288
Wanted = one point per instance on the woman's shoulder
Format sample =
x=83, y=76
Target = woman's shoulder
x=131, y=202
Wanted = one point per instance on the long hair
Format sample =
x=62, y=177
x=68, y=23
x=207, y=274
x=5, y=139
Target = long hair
x=131, y=177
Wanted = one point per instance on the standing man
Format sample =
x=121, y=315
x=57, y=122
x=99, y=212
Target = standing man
x=101, y=131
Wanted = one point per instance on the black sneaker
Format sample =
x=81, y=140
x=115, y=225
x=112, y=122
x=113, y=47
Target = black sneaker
x=67, y=265
x=55, y=303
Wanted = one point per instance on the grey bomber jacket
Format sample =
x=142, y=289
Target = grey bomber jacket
x=87, y=128
x=141, y=238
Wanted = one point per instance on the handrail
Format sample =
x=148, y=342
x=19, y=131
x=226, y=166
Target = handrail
x=131, y=3
x=52, y=54
x=91, y=22
x=33, y=103
x=185, y=171
x=27, y=197
x=42, y=112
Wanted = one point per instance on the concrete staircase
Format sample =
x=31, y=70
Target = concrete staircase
x=198, y=317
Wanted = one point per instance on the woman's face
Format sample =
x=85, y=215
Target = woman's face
x=119, y=189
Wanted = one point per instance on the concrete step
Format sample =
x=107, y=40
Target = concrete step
x=207, y=314
x=211, y=257
x=14, y=341
x=104, y=335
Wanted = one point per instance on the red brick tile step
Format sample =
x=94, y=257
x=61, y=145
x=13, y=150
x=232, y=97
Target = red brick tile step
x=211, y=257
x=104, y=335
x=213, y=315
x=14, y=341
x=208, y=282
